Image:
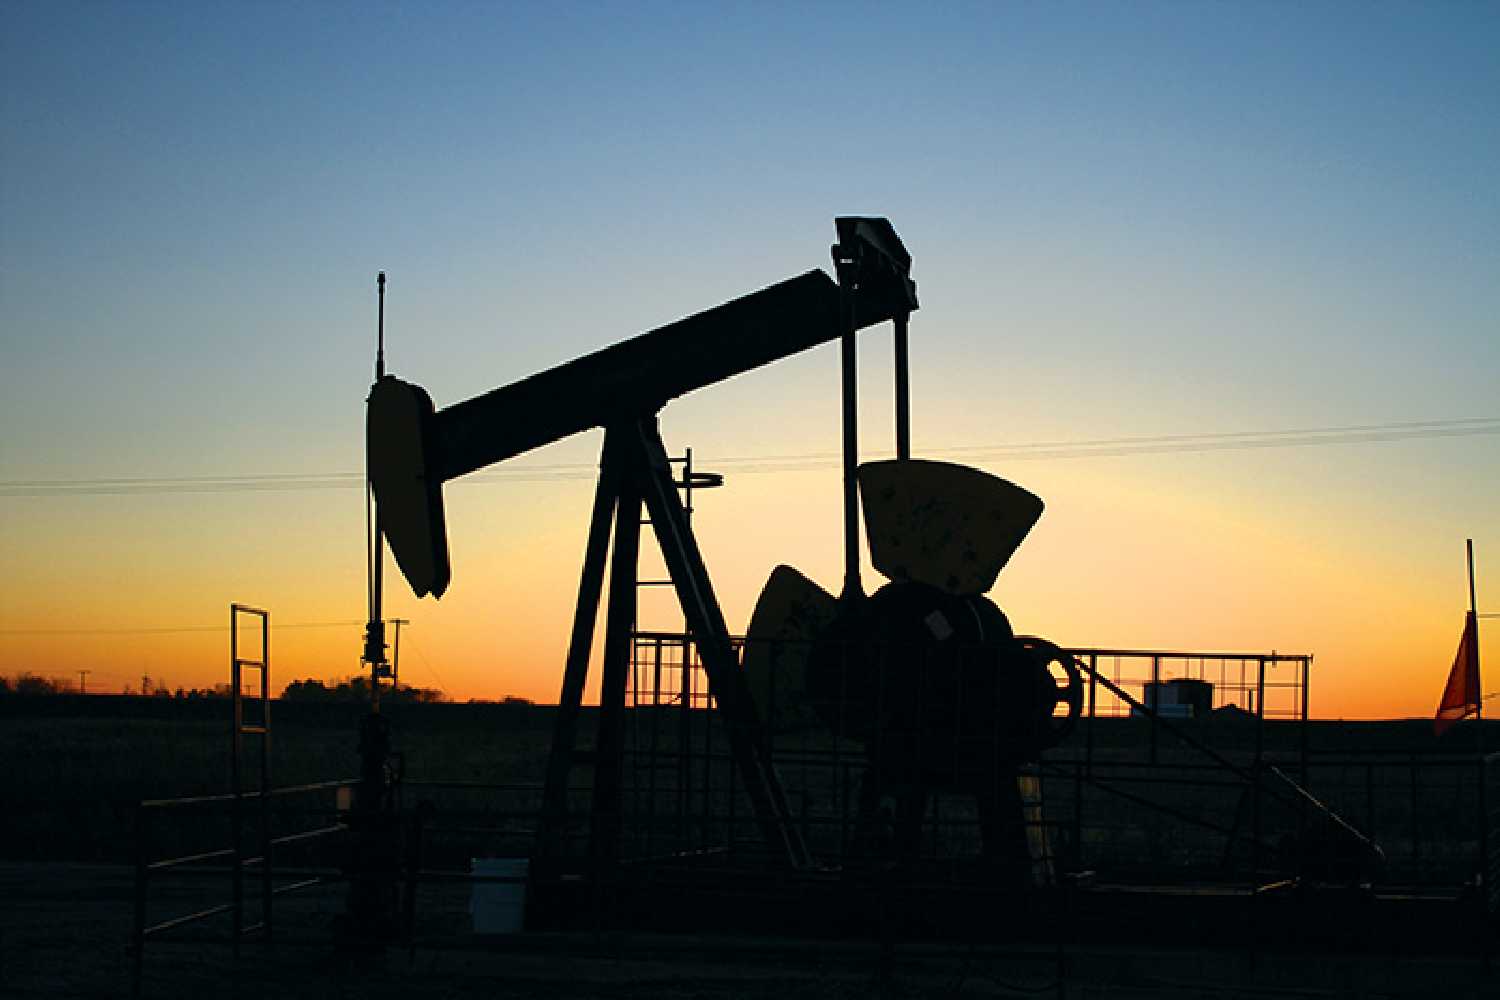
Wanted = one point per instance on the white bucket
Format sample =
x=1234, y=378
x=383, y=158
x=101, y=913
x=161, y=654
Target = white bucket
x=497, y=901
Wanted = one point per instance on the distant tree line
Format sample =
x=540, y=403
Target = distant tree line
x=351, y=689
x=35, y=684
x=356, y=688
x=32, y=684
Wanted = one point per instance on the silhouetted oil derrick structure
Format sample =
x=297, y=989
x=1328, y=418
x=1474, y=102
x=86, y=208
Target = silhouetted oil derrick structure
x=854, y=763
x=414, y=449
x=939, y=532
x=900, y=732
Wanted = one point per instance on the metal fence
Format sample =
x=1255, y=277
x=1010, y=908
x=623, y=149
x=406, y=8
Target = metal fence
x=1133, y=798
x=1130, y=790
x=198, y=822
x=1237, y=795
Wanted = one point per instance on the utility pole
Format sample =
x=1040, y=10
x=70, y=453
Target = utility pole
x=83, y=681
x=396, y=653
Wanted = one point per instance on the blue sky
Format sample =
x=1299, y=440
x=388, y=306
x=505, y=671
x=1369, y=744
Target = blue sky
x=1126, y=219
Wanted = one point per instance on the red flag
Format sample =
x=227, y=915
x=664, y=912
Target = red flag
x=1461, y=696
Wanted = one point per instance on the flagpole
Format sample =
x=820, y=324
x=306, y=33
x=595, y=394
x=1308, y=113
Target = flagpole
x=1484, y=813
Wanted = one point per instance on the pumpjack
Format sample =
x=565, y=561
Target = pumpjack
x=939, y=532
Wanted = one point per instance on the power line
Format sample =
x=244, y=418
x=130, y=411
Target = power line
x=1116, y=447
x=165, y=629
x=1129, y=447
x=442, y=686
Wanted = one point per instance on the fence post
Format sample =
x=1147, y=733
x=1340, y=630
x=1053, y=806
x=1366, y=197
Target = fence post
x=265, y=775
x=142, y=873
x=1486, y=889
x=1154, y=702
x=1260, y=746
x=1416, y=850
x=1306, y=680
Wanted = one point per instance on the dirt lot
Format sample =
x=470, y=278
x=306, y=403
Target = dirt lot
x=64, y=930
x=73, y=778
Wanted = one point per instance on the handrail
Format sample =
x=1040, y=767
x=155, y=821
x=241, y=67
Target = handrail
x=197, y=800
x=1325, y=811
x=145, y=867
x=678, y=638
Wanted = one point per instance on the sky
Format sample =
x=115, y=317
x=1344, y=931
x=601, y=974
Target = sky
x=1127, y=222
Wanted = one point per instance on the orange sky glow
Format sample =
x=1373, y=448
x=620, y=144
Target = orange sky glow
x=1126, y=222
x=1128, y=554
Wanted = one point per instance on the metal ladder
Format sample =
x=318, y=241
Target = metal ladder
x=685, y=486
x=258, y=728
x=683, y=764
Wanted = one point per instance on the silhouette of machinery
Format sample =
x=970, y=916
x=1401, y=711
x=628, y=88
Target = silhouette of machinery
x=926, y=672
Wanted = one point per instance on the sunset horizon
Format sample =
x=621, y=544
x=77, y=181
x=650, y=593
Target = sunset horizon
x=755, y=500
x=1216, y=285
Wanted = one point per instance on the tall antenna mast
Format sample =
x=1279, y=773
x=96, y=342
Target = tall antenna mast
x=374, y=653
x=369, y=912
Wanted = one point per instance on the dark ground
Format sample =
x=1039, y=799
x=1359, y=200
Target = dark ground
x=63, y=931
x=75, y=768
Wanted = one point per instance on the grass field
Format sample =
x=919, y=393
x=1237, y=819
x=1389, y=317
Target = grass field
x=76, y=768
